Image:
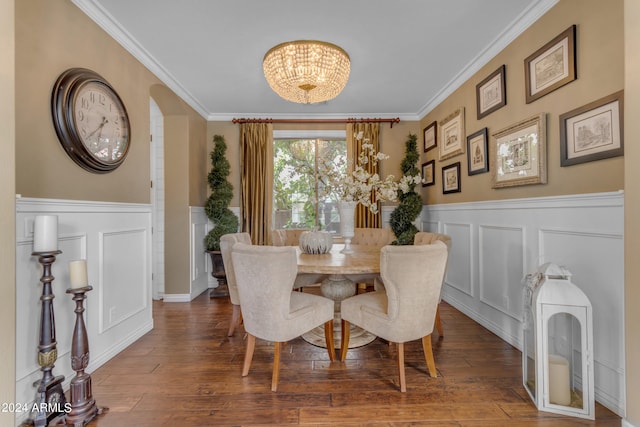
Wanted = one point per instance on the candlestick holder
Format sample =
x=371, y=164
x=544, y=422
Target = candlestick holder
x=83, y=405
x=50, y=398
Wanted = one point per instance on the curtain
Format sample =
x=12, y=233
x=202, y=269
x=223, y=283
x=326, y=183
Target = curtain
x=371, y=132
x=256, y=166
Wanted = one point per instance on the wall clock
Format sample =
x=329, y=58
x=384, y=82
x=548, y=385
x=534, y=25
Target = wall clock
x=91, y=120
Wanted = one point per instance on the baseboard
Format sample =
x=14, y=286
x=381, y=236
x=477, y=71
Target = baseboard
x=177, y=298
x=626, y=423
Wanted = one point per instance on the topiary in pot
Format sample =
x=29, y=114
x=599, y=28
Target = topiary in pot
x=217, y=208
x=407, y=211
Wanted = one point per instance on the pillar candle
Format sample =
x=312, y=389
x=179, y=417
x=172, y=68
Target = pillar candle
x=78, y=273
x=559, y=385
x=45, y=233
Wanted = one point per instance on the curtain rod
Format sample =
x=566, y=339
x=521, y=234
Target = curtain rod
x=349, y=120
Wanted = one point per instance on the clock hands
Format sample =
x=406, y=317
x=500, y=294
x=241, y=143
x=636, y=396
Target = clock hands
x=99, y=128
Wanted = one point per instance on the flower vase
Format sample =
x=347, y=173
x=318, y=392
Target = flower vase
x=347, y=211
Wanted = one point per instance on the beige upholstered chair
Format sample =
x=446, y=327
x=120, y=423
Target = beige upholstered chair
x=406, y=309
x=226, y=244
x=372, y=237
x=426, y=238
x=291, y=237
x=271, y=311
x=286, y=236
x=378, y=237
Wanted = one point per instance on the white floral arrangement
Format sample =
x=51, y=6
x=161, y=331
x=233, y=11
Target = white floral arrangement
x=359, y=185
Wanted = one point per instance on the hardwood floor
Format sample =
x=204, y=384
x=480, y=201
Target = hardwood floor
x=186, y=372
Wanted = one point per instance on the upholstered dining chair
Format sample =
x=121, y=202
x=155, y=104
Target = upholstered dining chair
x=226, y=244
x=291, y=237
x=405, y=310
x=377, y=237
x=271, y=311
x=286, y=236
x=426, y=238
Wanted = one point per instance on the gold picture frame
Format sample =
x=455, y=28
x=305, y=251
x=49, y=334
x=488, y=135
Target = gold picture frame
x=451, y=133
x=520, y=153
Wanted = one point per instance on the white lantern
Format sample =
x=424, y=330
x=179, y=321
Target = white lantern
x=557, y=356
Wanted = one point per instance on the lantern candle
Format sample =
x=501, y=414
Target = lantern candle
x=78, y=274
x=45, y=233
x=559, y=390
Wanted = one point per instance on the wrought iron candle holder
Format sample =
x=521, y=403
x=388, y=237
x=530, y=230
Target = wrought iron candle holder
x=50, y=398
x=83, y=405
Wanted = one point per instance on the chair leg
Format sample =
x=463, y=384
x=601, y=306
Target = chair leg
x=403, y=381
x=344, y=338
x=428, y=355
x=438, y=322
x=235, y=319
x=276, y=366
x=248, y=355
x=328, y=337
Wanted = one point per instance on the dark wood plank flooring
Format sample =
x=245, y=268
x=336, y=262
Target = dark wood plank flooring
x=186, y=372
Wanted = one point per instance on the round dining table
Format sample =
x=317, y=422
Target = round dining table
x=343, y=271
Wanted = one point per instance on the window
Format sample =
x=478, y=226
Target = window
x=296, y=203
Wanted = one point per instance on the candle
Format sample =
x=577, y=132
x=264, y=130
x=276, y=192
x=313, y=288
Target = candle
x=78, y=273
x=559, y=386
x=45, y=233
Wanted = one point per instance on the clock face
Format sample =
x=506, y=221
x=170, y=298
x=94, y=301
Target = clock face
x=101, y=122
x=90, y=120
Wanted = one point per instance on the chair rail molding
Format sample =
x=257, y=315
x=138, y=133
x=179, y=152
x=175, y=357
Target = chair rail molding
x=115, y=239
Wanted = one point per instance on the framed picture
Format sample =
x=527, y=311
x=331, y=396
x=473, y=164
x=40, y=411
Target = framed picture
x=491, y=93
x=477, y=152
x=551, y=66
x=451, y=178
x=519, y=153
x=593, y=131
x=430, y=133
x=428, y=175
x=452, y=135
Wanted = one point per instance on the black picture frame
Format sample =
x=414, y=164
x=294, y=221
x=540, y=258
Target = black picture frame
x=552, y=66
x=478, y=152
x=451, y=178
x=430, y=136
x=428, y=173
x=491, y=93
x=594, y=131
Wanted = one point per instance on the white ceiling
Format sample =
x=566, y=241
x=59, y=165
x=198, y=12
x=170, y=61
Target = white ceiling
x=406, y=55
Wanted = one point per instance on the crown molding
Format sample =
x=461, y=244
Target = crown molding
x=517, y=27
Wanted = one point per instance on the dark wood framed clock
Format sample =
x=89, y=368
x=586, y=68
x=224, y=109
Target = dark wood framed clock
x=91, y=120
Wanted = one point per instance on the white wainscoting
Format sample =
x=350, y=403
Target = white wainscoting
x=115, y=239
x=496, y=243
x=200, y=264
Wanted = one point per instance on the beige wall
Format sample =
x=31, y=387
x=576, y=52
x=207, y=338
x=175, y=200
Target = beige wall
x=600, y=70
x=632, y=207
x=52, y=36
x=7, y=211
x=392, y=142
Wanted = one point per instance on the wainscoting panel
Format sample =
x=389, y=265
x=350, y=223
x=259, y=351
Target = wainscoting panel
x=586, y=251
x=501, y=267
x=511, y=238
x=115, y=239
x=460, y=278
x=120, y=272
x=200, y=271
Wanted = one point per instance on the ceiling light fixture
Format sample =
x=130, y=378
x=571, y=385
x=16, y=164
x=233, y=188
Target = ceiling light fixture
x=306, y=71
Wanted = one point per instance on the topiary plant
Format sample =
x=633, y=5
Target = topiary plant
x=217, y=205
x=407, y=211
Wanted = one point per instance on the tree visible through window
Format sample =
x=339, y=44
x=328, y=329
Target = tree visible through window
x=296, y=203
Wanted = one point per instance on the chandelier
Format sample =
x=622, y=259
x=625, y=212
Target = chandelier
x=306, y=71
